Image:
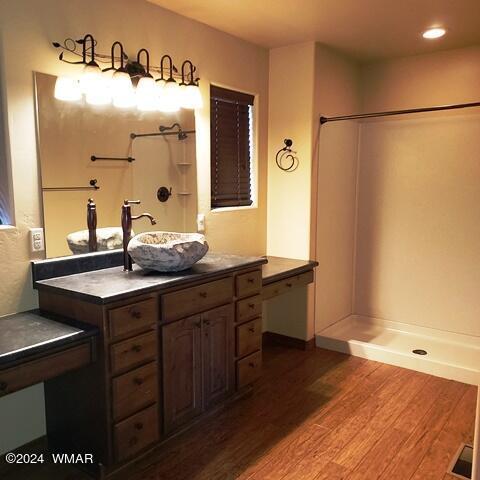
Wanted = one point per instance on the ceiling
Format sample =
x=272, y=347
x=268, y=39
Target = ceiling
x=364, y=29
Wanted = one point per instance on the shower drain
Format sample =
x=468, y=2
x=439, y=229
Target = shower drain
x=419, y=351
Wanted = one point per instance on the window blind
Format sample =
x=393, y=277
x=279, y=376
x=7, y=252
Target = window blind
x=230, y=123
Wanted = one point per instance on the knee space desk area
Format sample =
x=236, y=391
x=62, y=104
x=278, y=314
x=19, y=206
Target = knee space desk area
x=129, y=360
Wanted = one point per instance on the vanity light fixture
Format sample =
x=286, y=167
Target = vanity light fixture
x=190, y=93
x=168, y=90
x=130, y=84
x=433, y=33
x=123, y=93
x=146, y=93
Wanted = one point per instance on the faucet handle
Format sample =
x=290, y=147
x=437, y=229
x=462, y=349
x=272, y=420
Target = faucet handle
x=131, y=202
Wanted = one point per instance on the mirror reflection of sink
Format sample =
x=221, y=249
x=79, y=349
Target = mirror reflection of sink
x=167, y=251
x=108, y=238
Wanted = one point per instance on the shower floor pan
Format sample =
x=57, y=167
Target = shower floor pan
x=448, y=355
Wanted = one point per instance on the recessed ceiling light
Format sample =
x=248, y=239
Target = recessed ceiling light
x=432, y=33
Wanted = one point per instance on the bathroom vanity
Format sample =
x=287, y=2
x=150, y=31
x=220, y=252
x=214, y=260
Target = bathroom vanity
x=171, y=347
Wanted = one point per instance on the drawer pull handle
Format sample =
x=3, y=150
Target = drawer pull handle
x=251, y=329
x=138, y=381
x=251, y=365
x=136, y=348
x=135, y=314
x=207, y=322
x=203, y=294
x=250, y=280
x=139, y=425
x=3, y=386
x=198, y=324
x=251, y=305
x=288, y=284
x=133, y=441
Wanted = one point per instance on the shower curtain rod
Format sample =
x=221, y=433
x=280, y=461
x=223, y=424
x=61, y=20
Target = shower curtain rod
x=398, y=112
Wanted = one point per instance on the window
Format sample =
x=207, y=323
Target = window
x=231, y=147
x=5, y=218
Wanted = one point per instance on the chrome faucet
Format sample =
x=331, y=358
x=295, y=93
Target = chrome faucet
x=127, y=219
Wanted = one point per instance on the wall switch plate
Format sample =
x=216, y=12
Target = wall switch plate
x=201, y=223
x=37, y=240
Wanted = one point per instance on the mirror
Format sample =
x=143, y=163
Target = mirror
x=70, y=133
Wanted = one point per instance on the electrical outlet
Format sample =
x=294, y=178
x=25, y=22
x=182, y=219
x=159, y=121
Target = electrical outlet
x=37, y=240
x=201, y=223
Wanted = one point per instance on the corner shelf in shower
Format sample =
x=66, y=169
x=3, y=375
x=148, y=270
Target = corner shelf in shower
x=184, y=164
x=183, y=193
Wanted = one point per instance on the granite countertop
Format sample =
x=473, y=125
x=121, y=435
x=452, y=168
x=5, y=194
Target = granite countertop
x=25, y=334
x=279, y=268
x=111, y=284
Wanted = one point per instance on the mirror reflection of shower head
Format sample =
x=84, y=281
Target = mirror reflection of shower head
x=181, y=134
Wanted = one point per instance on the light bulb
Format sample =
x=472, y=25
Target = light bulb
x=90, y=78
x=122, y=90
x=99, y=92
x=433, y=33
x=170, y=97
x=67, y=89
x=146, y=94
x=191, y=97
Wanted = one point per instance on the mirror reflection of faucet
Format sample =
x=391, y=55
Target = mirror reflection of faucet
x=92, y=225
x=127, y=219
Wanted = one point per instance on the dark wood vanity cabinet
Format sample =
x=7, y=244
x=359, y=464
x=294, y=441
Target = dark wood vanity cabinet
x=164, y=358
x=197, y=364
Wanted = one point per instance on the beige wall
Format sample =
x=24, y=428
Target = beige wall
x=27, y=29
x=337, y=92
x=418, y=254
x=311, y=211
x=291, y=89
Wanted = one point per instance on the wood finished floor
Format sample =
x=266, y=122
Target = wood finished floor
x=318, y=415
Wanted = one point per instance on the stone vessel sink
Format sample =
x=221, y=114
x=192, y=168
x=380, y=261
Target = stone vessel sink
x=167, y=251
x=108, y=238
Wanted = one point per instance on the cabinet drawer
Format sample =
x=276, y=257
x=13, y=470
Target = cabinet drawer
x=249, y=337
x=132, y=318
x=249, y=369
x=193, y=300
x=134, y=390
x=249, y=283
x=135, y=433
x=133, y=352
x=287, y=284
x=249, y=308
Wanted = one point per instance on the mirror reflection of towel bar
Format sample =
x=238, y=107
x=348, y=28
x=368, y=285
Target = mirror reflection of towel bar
x=93, y=186
x=94, y=158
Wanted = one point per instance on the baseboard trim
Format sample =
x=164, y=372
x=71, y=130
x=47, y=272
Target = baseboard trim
x=270, y=338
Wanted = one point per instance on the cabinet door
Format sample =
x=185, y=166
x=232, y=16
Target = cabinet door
x=182, y=371
x=218, y=355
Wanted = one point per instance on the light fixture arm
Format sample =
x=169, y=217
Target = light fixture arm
x=122, y=55
x=187, y=62
x=147, y=57
x=83, y=42
x=171, y=66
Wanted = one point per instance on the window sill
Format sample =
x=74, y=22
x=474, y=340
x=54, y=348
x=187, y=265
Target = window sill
x=233, y=209
x=6, y=228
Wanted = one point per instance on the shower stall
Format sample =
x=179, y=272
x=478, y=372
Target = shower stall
x=416, y=249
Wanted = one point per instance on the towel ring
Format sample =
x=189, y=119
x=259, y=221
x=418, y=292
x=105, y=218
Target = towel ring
x=286, y=159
